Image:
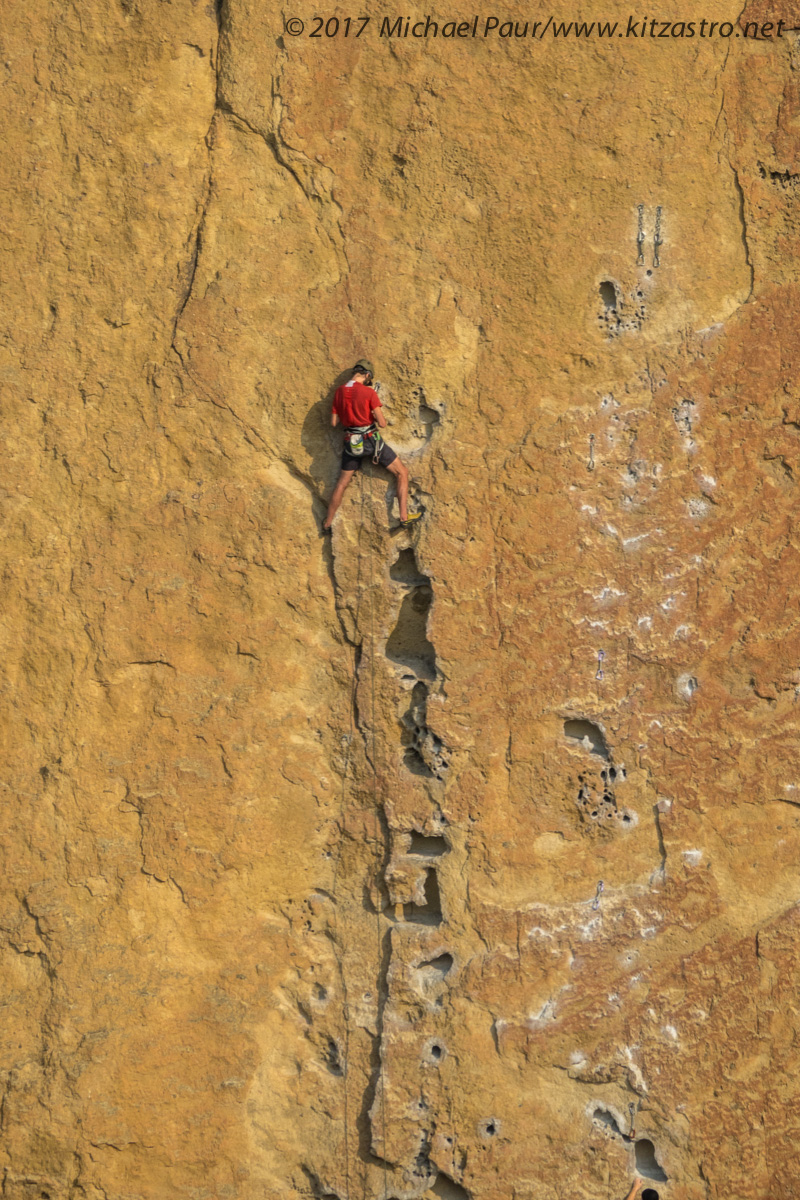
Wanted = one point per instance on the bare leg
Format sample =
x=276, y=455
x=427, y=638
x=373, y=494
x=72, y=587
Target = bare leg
x=400, y=471
x=344, y=479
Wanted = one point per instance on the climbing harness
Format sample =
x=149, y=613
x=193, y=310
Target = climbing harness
x=657, y=240
x=358, y=439
x=361, y=440
x=640, y=236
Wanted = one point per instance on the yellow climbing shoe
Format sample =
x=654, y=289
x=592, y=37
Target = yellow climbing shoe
x=415, y=516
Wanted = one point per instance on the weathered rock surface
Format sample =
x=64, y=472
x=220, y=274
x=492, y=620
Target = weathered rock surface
x=303, y=844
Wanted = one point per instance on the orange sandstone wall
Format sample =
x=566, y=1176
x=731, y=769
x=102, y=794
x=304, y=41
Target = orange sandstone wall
x=303, y=844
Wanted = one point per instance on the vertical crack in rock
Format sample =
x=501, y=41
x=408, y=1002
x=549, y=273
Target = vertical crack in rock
x=662, y=850
x=406, y=891
x=314, y=179
x=196, y=241
x=373, y=1094
x=743, y=219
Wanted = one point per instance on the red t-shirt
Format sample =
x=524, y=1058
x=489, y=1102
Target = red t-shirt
x=354, y=403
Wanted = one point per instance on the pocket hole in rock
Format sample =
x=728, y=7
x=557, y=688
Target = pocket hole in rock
x=601, y=1116
x=429, y=913
x=428, y=846
x=435, y=1052
x=446, y=1189
x=647, y=1165
x=489, y=1128
x=332, y=1059
x=425, y=755
x=588, y=735
x=441, y=966
x=430, y=976
x=649, y=1194
x=404, y=569
x=608, y=294
x=407, y=644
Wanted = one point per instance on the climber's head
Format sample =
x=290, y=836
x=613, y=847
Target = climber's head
x=363, y=370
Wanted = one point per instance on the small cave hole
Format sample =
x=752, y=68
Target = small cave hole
x=489, y=1128
x=429, y=846
x=332, y=1059
x=424, y=753
x=649, y=1194
x=441, y=966
x=428, y=415
x=601, y=1116
x=647, y=1164
x=416, y=764
x=407, y=644
x=404, y=569
x=429, y=913
x=446, y=1189
x=588, y=735
x=436, y=1051
x=608, y=294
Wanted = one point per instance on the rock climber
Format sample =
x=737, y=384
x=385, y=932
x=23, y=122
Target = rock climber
x=358, y=408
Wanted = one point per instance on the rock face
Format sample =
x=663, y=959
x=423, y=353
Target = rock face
x=461, y=863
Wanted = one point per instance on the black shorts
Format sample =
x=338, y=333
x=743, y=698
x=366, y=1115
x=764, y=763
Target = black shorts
x=386, y=456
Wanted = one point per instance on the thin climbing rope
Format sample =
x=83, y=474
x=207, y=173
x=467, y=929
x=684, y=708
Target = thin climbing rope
x=338, y=860
x=378, y=840
x=378, y=843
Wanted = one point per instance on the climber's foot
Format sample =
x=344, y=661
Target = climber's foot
x=410, y=519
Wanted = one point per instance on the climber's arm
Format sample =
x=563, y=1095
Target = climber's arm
x=378, y=417
x=334, y=419
x=632, y=1194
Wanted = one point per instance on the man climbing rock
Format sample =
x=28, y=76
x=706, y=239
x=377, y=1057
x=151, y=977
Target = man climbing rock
x=358, y=408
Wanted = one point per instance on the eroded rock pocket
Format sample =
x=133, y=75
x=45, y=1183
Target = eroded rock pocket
x=424, y=752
